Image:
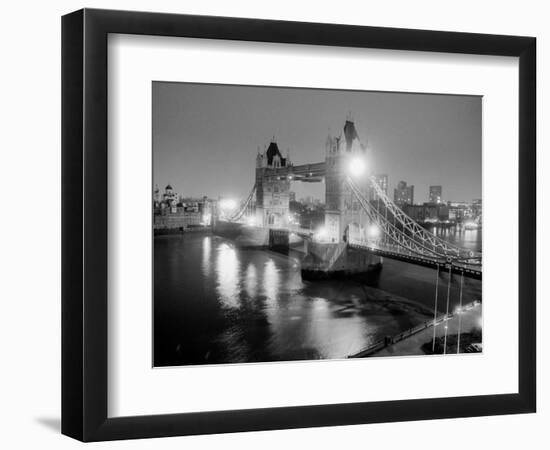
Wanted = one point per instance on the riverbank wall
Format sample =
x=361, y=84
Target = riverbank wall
x=409, y=342
x=182, y=230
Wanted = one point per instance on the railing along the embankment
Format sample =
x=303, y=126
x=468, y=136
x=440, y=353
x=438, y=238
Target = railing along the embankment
x=391, y=340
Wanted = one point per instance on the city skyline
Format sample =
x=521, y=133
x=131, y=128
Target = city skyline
x=352, y=271
x=423, y=139
x=305, y=198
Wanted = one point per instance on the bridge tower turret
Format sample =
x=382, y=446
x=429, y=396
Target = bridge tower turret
x=272, y=188
x=342, y=152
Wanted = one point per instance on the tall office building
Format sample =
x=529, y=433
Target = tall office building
x=403, y=194
x=435, y=194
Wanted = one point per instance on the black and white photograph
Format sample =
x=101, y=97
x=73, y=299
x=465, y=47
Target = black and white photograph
x=294, y=224
x=275, y=225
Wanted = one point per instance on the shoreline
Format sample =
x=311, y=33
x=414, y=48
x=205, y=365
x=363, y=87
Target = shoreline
x=410, y=342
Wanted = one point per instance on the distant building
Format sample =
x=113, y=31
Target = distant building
x=403, y=194
x=170, y=198
x=382, y=182
x=174, y=212
x=477, y=207
x=459, y=211
x=199, y=214
x=156, y=195
x=436, y=194
x=428, y=212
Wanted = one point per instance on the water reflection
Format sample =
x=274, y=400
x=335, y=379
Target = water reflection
x=251, y=281
x=271, y=281
x=215, y=303
x=206, y=255
x=465, y=238
x=227, y=271
x=345, y=332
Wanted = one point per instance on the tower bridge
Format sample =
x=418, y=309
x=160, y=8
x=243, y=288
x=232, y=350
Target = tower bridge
x=362, y=224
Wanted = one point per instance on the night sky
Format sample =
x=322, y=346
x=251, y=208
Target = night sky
x=206, y=137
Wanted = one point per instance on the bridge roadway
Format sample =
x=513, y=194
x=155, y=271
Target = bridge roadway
x=398, y=253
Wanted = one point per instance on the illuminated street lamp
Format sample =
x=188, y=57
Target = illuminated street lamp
x=459, y=310
x=206, y=219
x=459, y=313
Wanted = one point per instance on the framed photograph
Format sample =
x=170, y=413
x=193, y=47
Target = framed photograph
x=273, y=224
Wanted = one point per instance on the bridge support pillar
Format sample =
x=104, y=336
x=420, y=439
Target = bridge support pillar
x=272, y=188
x=279, y=240
x=325, y=261
x=342, y=208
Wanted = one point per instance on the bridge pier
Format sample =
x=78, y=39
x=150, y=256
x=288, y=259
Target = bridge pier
x=325, y=261
x=279, y=240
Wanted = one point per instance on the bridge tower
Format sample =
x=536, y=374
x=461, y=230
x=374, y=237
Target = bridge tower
x=342, y=209
x=272, y=188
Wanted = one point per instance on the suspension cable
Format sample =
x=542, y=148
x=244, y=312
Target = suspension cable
x=244, y=206
x=397, y=235
x=460, y=313
x=447, y=310
x=414, y=228
x=411, y=236
x=435, y=307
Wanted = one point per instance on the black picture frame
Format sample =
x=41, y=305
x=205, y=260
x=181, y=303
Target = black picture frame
x=84, y=224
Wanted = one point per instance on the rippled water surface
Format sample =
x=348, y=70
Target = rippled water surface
x=217, y=303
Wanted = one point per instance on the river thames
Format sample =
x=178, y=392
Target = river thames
x=217, y=303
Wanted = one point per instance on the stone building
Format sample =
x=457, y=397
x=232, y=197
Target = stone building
x=177, y=220
x=341, y=205
x=272, y=189
x=173, y=212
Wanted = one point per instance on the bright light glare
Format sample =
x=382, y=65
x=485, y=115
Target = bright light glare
x=321, y=234
x=228, y=203
x=374, y=231
x=357, y=166
x=251, y=221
